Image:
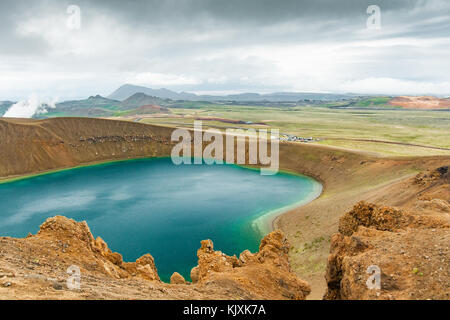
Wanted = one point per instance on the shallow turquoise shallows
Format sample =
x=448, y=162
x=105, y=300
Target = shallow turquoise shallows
x=153, y=206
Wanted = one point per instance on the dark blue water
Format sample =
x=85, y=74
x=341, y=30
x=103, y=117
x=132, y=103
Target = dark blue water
x=153, y=206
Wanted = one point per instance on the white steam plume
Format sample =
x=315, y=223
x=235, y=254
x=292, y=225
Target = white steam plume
x=30, y=107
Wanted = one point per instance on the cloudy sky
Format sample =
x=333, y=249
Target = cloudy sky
x=218, y=46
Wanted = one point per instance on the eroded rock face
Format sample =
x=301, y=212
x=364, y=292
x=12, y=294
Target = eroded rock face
x=194, y=274
x=177, y=278
x=78, y=241
x=371, y=215
x=429, y=177
x=213, y=261
x=144, y=267
x=266, y=272
x=39, y=264
x=61, y=228
x=411, y=252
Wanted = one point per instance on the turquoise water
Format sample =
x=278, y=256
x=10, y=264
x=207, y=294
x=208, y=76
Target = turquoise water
x=153, y=206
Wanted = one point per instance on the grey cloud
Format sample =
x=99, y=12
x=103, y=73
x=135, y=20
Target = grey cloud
x=12, y=42
x=192, y=37
x=243, y=12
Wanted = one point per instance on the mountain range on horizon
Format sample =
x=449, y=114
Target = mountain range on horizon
x=130, y=100
x=127, y=90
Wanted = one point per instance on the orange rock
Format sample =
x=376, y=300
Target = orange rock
x=194, y=274
x=264, y=273
x=63, y=242
x=409, y=251
x=177, y=278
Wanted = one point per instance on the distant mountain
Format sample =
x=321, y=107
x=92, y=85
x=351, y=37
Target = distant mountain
x=128, y=90
x=94, y=106
x=276, y=97
x=6, y=103
x=98, y=106
x=147, y=109
x=296, y=96
x=141, y=99
x=93, y=101
x=4, y=106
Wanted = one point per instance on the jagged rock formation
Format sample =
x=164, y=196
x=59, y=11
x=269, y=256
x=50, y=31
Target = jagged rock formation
x=36, y=267
x=263, y=271
x=411, y=251
x=367, y=215
x=177, y=278
x=77, y=239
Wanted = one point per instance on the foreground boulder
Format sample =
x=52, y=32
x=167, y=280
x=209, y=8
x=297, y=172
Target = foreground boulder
x=410, y=252
x=177, y=278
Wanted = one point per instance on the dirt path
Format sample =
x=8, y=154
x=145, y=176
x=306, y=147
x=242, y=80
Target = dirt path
x=389, y=142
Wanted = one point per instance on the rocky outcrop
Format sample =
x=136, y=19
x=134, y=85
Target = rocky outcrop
x=77, y=240
x=177, y=278
x=411, y=253
x=429, y=177
x=266, y=272
x=36, y=267
x=371, y=215
x=212, y=261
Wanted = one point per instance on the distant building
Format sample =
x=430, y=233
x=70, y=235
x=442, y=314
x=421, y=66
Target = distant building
x=290, y=137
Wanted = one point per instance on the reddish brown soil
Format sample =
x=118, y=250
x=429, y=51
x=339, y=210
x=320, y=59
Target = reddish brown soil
x=424, y=102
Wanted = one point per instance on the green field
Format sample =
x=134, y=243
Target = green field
x=332, y=126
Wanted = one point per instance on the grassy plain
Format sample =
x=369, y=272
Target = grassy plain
x=380, y=131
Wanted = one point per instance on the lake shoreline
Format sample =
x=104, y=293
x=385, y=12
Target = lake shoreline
x=267, y=206
x=263, y=224
x=7, y=179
